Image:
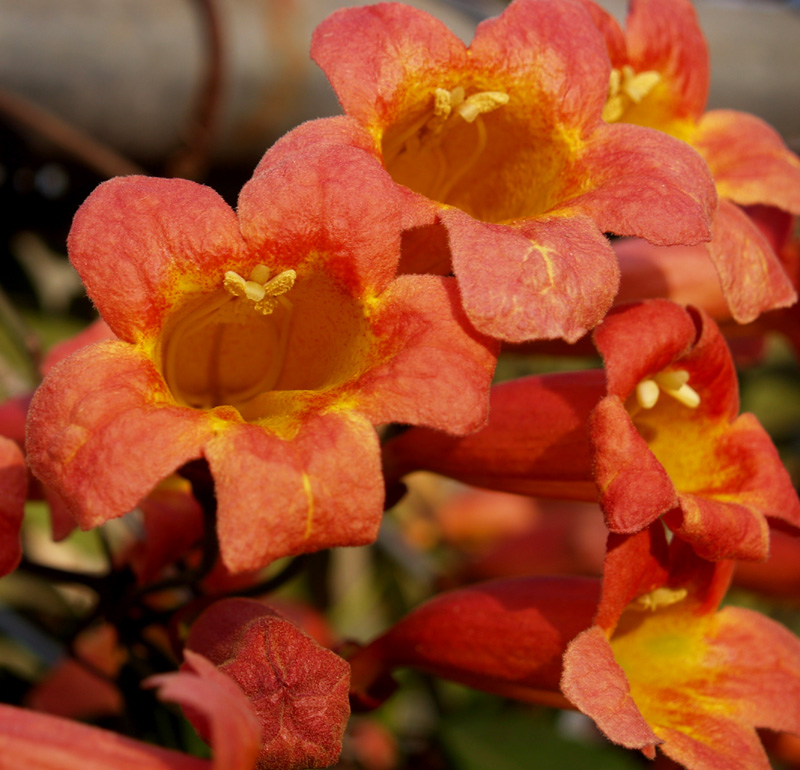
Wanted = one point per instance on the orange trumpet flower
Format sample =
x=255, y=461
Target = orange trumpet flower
x=268, y=344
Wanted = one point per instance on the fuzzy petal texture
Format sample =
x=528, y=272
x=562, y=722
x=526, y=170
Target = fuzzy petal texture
x=42, y=742
x=268, y=343
x=325, y=489
x=466, y=129
x=752, y=277
x=749, y=160
x=715, y=475
x=86, y=424
x=536, y=442
x=549, y=278
x=13, y=493
x=229, y=721
x=505, y=636
x=661, y=80
x=436, y=377
x=663, y=659
x=596, y=684
x=669, y=199
x=330, y=215
x=298, y=690
x=138, y=243
x=635, y=488
x=664, y=36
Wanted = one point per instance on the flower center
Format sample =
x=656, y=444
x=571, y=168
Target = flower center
x=246, y=345
x=674, y=432
x=451, y=109
x=627, y=88
x=231, y=346
x=489, y=154
x=264, y=292
x=674, y=383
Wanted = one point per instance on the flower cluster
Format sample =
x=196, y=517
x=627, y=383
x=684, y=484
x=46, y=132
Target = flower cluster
x=264, y=380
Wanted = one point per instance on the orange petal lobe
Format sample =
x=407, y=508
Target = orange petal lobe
x=139, y=243
x=13, y=493
x=43, y=742
x=546, y=278
x=437, y=370
x=92, y=445
x=277, y=497
x=230, y=723
x=749, y=160
x=648, y=184
x=752, y=277
x=596, y=684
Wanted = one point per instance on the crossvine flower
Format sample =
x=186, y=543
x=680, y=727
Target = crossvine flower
x=502, y=143
x=268, y=344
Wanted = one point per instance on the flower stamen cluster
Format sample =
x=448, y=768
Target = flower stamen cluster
x=264, y=292
x=429, y=131
x=627, y=87
x=243, y=318
x=674, y=383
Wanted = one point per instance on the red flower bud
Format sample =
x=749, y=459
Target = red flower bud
x=298, y=689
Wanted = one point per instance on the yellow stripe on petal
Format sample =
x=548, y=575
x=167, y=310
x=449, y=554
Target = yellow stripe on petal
x=310, y=497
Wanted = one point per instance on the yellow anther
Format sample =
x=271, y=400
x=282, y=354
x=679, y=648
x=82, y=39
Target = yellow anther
x=674, y=383
x=637, y=85
x=647, y=393
x=264, y=292
x=481, y=103
x=626, y=87
x=442, y=103
x=672, y=380
x=429, y=127
x=685, y=395
x=658, y=598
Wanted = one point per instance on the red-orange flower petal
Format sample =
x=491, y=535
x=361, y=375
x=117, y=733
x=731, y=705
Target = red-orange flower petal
x=13, y=493
x=268, y=346
x=85, y=429
x=530, y=90
x=749, y=160
x=665, y=37
x=725, y=473
x=662, y=660
x=297, y=689
x=35, y=740
x=229, y=721
x=45, y=742
x=185, y=230
x=556, y=275
x=536, y=442
x=505, y=636
x=415, y=319
x=661, y=80
x=280, y=498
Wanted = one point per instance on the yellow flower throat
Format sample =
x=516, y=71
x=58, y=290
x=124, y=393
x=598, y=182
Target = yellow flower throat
x=451, y=109
x=230, y=347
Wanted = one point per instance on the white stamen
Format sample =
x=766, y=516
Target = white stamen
x=647, y=393
x=675, y=383
x=686, y=395
x=658, y=598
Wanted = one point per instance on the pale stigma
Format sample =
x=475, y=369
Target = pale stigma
x=264, y=292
